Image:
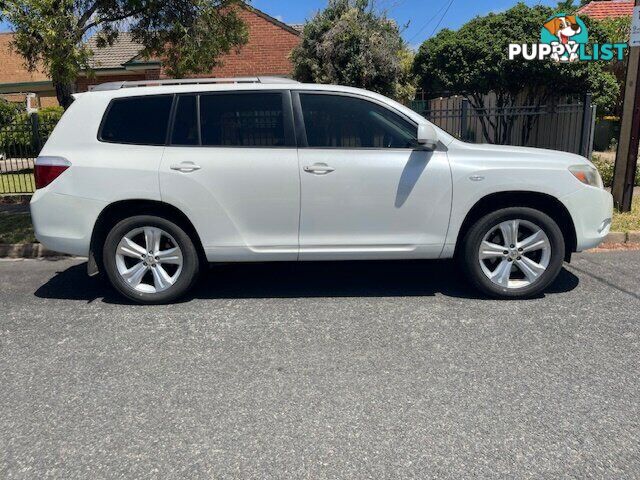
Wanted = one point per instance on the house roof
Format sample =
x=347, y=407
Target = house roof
x=607, y=9
x=116, y=56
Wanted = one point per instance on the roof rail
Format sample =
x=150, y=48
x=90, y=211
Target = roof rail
x=189, y=81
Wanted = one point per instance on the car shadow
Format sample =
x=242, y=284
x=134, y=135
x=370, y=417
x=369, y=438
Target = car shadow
x=300, y=280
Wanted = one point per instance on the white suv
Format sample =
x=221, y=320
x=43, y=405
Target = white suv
x=153, y=181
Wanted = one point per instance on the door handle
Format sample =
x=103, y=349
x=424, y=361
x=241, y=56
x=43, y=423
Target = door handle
x=185, y=167
x=318, y=169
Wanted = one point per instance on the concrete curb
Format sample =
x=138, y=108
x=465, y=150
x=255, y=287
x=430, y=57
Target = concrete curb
x=623, y=237
x=27, y=250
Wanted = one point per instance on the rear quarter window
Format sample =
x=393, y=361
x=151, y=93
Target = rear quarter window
x=137, y=120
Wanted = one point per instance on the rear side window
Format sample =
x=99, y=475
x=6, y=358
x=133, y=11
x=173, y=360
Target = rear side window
x=185, y=123
x=137, y=120
x=242, y=120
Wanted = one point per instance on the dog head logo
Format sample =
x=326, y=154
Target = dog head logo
x=562, y=29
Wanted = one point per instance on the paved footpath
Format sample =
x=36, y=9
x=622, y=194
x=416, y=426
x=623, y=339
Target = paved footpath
x=321, y=370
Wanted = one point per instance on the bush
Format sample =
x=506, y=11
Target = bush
x=16, y=136
x=606, y=167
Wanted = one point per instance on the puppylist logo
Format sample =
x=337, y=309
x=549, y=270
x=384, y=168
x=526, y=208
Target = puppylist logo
x=564, y=38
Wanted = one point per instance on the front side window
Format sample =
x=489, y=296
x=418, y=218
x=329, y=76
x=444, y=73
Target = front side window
x=337, y=121
x=242, y=120
x=137, y=120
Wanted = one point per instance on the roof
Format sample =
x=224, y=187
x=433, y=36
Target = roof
x=607, y=9
x=123, y=51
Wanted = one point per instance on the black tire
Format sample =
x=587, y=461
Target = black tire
x=469, y=254
x=190, y=266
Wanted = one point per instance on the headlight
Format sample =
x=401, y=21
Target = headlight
x=587, y=175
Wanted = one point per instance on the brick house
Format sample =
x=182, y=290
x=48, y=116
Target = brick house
x=266, y=53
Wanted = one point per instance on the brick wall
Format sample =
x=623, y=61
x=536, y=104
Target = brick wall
x=266, y=52
x=83, y=83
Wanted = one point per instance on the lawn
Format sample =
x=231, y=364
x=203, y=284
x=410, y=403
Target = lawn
x=16, y=228
x=17, y=183
x=629, y=221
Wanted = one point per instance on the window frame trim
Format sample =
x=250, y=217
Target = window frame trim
x=114, y=100
x=300, y=123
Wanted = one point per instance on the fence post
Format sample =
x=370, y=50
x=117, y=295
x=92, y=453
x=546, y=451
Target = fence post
x=464, y=119
x=586, y=124
x=36, y=141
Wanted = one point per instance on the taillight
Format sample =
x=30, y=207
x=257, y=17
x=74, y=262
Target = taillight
x=47, y=169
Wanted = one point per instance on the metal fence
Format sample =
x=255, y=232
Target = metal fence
x=20, y=142
x=564, y=124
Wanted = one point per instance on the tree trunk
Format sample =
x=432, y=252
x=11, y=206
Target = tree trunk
x=63, y=92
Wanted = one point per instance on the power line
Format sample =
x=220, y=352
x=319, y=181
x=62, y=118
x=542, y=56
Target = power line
x=442, y=18
x=428, y=22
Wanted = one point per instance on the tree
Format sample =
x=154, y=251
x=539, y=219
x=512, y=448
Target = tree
x=189, y=35
x=473, y=62
x=349, y=43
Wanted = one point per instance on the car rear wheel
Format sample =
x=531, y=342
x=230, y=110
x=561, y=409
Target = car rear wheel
x=150, y=259
x=513, y=253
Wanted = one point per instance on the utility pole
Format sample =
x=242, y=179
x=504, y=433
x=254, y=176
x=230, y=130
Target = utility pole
x=627, y=153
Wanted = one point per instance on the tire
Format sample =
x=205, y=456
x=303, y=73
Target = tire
x=168, y=273
x=519, y=265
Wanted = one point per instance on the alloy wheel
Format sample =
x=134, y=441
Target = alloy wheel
x=149, y=260
x=515, y=253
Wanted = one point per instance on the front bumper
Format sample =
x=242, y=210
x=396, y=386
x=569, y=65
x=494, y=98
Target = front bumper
x=591, y=210
x=64, y=223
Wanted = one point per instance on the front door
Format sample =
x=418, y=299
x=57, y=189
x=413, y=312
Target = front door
x=367, y=190
x=231, y=165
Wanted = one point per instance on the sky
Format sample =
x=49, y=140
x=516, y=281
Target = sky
x=422, y=18
x=419, y=19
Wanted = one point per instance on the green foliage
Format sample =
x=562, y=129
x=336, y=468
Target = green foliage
x=474, y=61
x=189, y=34
x=15, y=228
x=17, y=136
x=349, y=43
x=606, y=167
x=8, y=111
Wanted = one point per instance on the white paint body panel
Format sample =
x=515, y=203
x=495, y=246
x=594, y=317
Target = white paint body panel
x=258, y=204
x=375, y=204
x=244, y=202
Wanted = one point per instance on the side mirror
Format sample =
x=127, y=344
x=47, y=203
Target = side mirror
x=427, y=136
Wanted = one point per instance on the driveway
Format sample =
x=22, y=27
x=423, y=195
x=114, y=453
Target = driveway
x=321, y=370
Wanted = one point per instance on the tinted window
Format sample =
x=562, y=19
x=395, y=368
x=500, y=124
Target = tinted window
x=247, y=119
x=348, y=122
x=185, y=123
x=139, y=120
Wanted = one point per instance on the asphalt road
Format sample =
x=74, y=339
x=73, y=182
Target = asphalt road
x=322, y=370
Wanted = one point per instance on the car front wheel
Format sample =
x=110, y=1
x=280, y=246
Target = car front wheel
x=150, y=259
x=513, y=252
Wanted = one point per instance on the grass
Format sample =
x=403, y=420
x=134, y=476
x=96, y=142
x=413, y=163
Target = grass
x=629, y=221
x=16, y=228
x=17, y=183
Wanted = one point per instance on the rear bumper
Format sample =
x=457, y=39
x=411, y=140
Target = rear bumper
x=64, y=223
x=591, y=210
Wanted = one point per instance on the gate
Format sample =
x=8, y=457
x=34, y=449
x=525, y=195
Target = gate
x=20, y=142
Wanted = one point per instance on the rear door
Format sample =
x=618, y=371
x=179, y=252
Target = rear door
x=231, y=165
x=368, y=190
